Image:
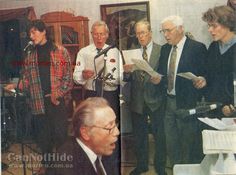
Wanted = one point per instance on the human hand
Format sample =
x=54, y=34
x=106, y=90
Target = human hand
x=53, y=99
x=128, y=68
x=156, y=79
x=199, y=82
x=87, y=73
x=228, y=110
x=10, y=87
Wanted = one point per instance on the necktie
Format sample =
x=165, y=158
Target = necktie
x=171, y=71
x=145, y=57
x=98, y=50
x=99, y=168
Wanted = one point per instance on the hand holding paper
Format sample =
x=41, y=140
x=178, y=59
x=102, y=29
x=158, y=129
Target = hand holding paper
x=198, y=82
x=155, y=80
x=128, y=68
x=143, y=65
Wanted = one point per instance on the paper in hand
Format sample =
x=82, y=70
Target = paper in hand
x=132, y=54
x=187, y=75
x=143, y=65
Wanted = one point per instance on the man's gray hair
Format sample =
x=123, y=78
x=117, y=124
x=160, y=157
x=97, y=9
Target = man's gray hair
x=100, y=23
x=145, y=22
x=176, y=20
x=85, y=113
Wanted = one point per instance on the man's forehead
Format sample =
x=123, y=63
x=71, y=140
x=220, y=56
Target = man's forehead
x=104, y=115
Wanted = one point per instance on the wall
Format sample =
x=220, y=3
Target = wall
x=190, y=10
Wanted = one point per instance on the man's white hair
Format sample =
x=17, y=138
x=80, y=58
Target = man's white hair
x=176, y=20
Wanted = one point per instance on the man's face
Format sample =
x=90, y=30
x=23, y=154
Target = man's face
x=143, y=34
x=172, y=33
x=102, y=141
x=100, y=36
x=38, y=38
x=218, y=32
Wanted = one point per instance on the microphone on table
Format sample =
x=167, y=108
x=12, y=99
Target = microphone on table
x=182, y=113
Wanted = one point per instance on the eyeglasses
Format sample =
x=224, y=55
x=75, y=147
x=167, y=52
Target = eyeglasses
x=138, y=34
x=163, y=31
x=110, y=130
x=96, y=35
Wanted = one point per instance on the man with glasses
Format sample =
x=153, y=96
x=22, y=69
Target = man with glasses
x=181, y=54
x=95, y=135
x=146, y=101
x=88, y=69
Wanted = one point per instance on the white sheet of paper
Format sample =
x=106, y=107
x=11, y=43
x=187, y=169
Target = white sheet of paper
x=187, y=75
x=132, y=54
x=143, y=65
x=218, y=141
x=219, y=124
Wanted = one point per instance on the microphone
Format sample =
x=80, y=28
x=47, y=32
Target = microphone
x=104, y=51
x=182, y=113
x=110, y=74
x=30, y=43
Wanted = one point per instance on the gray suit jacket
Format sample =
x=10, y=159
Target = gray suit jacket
x=144, y=91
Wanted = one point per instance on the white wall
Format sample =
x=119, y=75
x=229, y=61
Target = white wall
x=190, y=10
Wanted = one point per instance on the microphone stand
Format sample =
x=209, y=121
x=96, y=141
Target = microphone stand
x=17, y=100
x=100, y=82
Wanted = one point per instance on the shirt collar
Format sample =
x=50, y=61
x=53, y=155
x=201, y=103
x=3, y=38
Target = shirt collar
x=225, y=46
x=181, y=43
x=149, y=45
x=91, y=155
x=94, y=48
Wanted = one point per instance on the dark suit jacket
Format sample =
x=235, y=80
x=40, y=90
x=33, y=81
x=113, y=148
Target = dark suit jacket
x=145, y=91
x=81, y=164
x=192, y=60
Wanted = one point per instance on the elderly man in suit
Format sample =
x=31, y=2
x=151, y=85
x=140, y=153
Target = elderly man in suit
x=96, y=132
x=146, y=101
x=181, y=54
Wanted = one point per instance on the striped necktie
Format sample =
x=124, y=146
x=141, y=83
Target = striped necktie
x=171, y=71
x=145, y=55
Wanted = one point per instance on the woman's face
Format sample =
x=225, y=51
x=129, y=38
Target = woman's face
x=218, y=31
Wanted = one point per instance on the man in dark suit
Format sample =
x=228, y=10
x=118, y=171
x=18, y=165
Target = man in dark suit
x=96, y=133
x=181, y=54
x=146, y=101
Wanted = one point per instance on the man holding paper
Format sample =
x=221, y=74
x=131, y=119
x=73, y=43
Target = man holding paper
x=146, y=100
x=181, y=54
x=91, y=67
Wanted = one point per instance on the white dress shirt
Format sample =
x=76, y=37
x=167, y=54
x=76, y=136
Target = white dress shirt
x=179, y=50
x=85, y=60
x=91, y=155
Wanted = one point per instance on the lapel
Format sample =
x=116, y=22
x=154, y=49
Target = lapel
x=166, y=54
x=154, y=57
x=184, y=56
x=82, y=162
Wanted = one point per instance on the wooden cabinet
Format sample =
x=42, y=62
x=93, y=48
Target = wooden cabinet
x=69, y=30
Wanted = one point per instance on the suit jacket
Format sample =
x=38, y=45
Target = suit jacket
x=192, y=59
x=80, y=165
x=143, y=91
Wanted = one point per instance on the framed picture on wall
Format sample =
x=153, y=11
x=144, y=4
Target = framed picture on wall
x=121, y=19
